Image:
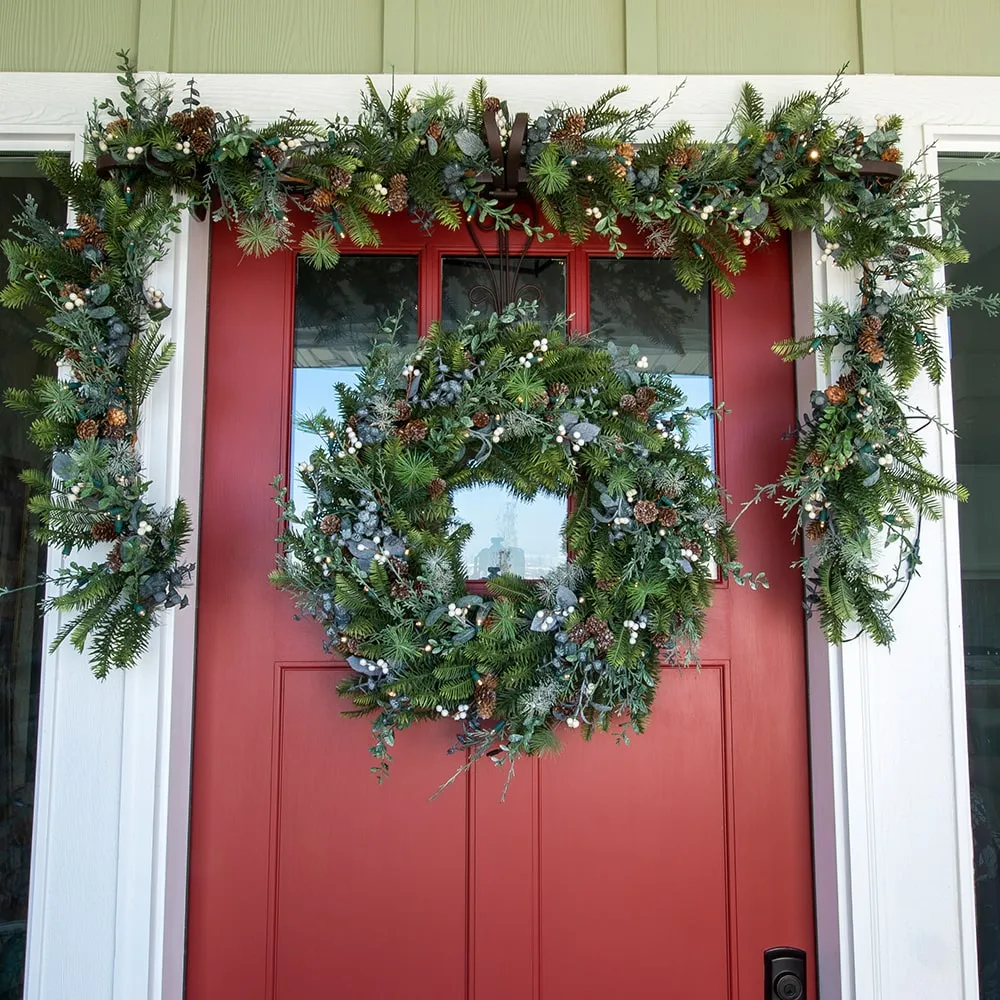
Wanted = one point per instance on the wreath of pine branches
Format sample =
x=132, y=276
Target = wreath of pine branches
x=376, y=555
x=856, y=473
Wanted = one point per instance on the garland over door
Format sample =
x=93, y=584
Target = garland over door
x=664, y=867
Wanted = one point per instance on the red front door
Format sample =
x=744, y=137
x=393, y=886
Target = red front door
x=659, y=869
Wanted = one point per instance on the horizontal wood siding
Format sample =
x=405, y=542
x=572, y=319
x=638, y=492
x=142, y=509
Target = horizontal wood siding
x=443, y=37
x=55, y=36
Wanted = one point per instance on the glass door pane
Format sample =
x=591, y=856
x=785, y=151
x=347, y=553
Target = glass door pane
x=338, y=315
x=639, y=301
x=975, y=341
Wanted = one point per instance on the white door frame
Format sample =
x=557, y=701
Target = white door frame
x=893, y=849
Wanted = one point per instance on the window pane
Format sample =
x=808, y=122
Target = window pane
x=469, y=282
x=337, y=318
x=638, y=301
x=510, y=535
x=22, y=563
x=976, y=378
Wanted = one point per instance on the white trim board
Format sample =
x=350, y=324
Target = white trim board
x=889, y=767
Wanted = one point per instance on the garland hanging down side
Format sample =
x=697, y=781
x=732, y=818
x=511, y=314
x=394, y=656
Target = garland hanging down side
x=855, y=473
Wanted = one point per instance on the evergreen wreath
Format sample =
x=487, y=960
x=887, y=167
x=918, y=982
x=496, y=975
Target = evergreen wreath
x=856, y=471
x=376, y=555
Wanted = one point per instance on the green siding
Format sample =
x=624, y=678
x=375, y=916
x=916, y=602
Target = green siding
x=961, y=38
x=65, y=35
x=762, y=36
x=261, y=36
x=518, y=36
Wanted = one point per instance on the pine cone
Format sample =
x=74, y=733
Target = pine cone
x=815, y=530
x=848, y=381
x=114, y=559
x=116, y=417
x=350, y=645
x=274, y=154
x=814, y=458
x=398, y=196
x=87, y=429
x=401, y=411
x=113, y=432
x=480, y=419
x=558, y=389
x=871, y=324
x=892, y=155
x=867, y=341
x=604, y=639
x=74, y=243
x=436, y=487
x=183, y=122
x=71, y=355
x=835, y=394
x=91, y=229
x=201, y=142
x=399, y=590
x=486, y=696
x=119, y=125
x=693, y=155
x=770, y=136
x=434, y=130
x=645, y=396
x=677, y=158
x=570, y=141
x=493, y=104
x=204, y=118
x=645, y=512
x=103, y=531
x=628, y=402
x=626, y=151
x=604, y=585
x=413, y=433
x=619, y=169
x=642, y=416
x=340, y=178
x=694, y=547
x=667, y=516
x=876, y=355
x=660, y=640
x=321, y=199
x=575, y=124
x=329, y=524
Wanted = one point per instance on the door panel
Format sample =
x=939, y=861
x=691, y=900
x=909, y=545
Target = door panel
x=664, y=867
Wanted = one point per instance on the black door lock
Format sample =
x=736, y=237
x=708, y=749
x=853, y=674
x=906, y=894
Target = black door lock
x=784, y=974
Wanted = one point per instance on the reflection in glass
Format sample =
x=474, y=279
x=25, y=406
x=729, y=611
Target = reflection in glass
x=338, y=315
x=511, y=535
x=22, y=563
x=639, y=301
x=975, y=341
x=466, y=281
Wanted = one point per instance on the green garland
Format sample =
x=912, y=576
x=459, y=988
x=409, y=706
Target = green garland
x=705, y=204
x=376, y=555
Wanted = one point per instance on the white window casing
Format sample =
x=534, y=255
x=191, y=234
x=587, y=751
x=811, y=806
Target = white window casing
x=893, y=847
